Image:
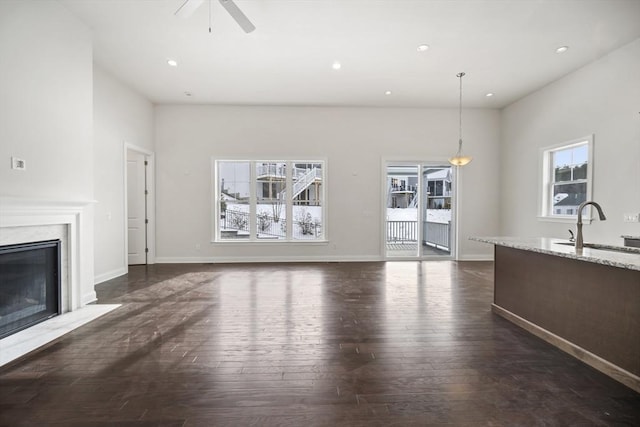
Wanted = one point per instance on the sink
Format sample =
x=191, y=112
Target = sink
x=604, y=247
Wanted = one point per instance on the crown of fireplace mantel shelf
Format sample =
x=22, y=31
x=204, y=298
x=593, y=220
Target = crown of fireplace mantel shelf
x=13, y=202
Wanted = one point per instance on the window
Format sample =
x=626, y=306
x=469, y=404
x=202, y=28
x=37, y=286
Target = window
x=269, y=200
x=566, y=183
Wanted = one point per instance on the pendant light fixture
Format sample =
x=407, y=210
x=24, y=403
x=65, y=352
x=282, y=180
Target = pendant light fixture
x=459, y=159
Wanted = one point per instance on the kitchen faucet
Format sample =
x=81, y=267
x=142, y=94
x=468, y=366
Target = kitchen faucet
x=579, y=240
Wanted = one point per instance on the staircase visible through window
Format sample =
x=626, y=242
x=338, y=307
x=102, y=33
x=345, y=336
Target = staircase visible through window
x=269, y=200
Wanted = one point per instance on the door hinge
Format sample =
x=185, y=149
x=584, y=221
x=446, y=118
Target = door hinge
x=146, y=192
x=146, y=221
x=146, y=163
x=146, y=250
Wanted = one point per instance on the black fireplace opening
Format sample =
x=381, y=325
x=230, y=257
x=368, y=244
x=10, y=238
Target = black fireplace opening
x=30, y=284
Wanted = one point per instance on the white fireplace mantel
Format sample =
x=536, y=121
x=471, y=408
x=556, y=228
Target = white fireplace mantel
x=77, y=216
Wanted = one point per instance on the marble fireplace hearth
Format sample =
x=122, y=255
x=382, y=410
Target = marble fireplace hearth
x=28, y=220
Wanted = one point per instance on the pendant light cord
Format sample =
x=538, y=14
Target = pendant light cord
x=459, y=159
x=460, y=75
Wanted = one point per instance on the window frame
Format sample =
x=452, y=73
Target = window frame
x=547, y=181
x=288, y=205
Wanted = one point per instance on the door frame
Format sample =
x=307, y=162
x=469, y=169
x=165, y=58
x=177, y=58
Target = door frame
x=454, y=207
x=151, y=202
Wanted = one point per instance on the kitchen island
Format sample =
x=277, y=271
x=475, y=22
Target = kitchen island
x=585, y=302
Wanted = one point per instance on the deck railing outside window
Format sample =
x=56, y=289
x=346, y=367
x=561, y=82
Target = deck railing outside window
x=434, y=233
x=237, y=223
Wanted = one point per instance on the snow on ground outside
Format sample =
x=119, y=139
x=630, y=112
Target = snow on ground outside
x=315, y=211
x=442, y=216
x=275, y=228
x=399, y=232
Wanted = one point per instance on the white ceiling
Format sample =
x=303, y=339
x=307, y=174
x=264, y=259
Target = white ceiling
x=505, y=47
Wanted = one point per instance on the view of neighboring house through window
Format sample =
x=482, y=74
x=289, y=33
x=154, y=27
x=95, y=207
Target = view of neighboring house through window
x=269, y=200
x=418, y=209
x=567, y=173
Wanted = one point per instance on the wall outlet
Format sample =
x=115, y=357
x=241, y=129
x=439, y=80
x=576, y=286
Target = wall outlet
x=19, y=164
x=631, y=217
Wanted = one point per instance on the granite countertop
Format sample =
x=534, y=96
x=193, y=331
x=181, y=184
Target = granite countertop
x=627, y=257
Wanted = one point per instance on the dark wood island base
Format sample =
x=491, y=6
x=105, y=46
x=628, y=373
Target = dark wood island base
x=589, y=310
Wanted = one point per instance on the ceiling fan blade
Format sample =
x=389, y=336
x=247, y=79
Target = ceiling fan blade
x=187, y=8
x=237, y=14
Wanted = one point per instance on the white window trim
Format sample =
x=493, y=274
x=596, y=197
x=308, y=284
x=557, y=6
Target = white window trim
x=546, y=178
x=215, y=206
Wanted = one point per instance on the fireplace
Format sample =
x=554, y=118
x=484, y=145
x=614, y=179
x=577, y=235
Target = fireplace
x=30, y=284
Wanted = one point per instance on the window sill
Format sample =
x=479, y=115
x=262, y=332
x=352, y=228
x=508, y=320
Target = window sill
x=564, y=219
x=272, y=242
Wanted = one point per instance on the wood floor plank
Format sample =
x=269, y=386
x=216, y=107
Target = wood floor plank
x=326, y=344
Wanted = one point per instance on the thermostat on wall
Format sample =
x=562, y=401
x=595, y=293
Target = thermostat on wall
x=17, y=163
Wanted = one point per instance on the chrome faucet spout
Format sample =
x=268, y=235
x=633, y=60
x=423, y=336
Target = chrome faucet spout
x=579, y=239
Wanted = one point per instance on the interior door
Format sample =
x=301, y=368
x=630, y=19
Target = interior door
x=136, y=208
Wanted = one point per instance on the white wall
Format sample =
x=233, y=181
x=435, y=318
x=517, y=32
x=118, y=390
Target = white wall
x=46, y=102
x=602, y=98
x=353, y=140
x=120, y=115
x=46, y=115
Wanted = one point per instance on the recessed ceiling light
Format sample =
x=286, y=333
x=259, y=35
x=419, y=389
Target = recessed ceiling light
x=562, y=49
x=336, y=65
x=388, y=92
x=423, y=47
x=489, y=95
x=187, y=93
x=172, y=62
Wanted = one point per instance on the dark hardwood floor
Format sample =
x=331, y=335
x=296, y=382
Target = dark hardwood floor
x=336, y=344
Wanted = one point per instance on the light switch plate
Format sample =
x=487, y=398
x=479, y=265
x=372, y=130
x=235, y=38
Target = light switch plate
x=17, y=163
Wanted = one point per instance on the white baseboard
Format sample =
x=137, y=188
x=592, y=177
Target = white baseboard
x=261, y=259
x=109, y=275
x=617, y=373
x=266, y=259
